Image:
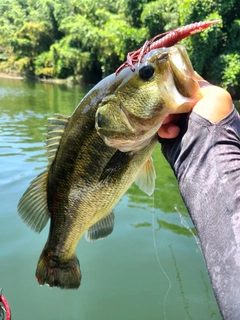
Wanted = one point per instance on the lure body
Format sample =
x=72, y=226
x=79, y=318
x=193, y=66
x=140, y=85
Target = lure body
x=167, y=39
x=4, y=307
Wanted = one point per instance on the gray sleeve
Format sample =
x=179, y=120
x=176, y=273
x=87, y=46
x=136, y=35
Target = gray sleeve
x=206, y=162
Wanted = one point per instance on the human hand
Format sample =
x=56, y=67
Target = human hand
x=215, y=105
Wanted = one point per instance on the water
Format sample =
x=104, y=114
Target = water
x=150, y=267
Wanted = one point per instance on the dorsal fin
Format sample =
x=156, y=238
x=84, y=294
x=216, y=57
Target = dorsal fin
x=56, y=127
x=146, y=177
x=32, y=207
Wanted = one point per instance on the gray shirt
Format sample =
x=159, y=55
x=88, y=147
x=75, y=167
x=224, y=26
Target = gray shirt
x=206, y=161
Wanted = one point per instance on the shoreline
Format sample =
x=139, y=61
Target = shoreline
x=45, y=80
x=11, y=76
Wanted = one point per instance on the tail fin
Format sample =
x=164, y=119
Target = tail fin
x=55, y=272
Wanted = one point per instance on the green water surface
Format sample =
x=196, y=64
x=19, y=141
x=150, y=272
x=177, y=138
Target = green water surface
x=149, y=268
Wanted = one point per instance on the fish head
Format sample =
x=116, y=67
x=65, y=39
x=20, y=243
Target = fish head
x=163, y=83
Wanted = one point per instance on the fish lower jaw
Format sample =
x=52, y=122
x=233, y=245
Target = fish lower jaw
x=127, y=145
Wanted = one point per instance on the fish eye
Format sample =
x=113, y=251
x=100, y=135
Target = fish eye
x=146, y=72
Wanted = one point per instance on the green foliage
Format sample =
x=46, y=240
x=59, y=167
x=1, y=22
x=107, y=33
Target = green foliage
x=231, y=73
x=133, y=10
x=215, y=52
x=226, y=69
x=160, y=16
x=44, y=65
x=87, y=40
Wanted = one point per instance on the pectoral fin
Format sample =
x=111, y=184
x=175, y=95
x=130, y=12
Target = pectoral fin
x=146, y=178
x=101, y=229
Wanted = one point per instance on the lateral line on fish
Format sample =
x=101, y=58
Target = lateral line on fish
x=159, y=261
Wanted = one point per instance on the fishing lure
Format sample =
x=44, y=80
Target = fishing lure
x=167, y=39
x=5, y=312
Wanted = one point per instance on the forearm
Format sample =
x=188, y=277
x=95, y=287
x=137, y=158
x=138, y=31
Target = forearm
x=206, y=162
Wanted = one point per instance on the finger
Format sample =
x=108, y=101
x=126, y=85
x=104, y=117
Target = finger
x=168, y=131
x=215, y=104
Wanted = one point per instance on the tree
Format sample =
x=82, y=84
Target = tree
x=219, y=45
x=87, y=40
x=160, y=16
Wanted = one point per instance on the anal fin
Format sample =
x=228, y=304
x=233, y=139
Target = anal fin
x=101, y=229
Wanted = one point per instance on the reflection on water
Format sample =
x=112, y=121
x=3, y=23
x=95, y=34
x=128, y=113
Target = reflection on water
x=125, y=276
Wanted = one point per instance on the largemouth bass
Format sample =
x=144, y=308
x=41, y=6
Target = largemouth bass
x=98, y=152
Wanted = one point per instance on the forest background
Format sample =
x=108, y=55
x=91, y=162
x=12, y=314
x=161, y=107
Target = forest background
x=85, y=40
